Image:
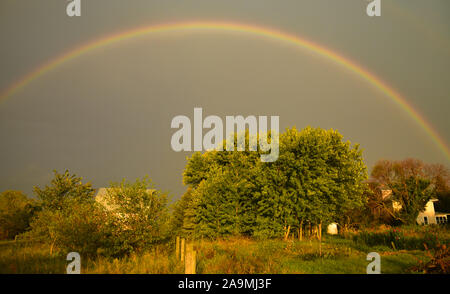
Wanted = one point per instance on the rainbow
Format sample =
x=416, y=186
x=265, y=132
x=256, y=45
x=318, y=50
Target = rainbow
x=242, y=28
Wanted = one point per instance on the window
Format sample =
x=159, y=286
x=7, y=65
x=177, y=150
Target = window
x=425, y=220
x=441, y=219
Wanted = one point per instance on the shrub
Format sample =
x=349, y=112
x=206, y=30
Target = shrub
x=137, y=217
x=79, y=227
x=397, y=238
x=16, y=212
x=439, y=261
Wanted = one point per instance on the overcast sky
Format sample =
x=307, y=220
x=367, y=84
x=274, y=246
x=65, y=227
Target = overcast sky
x=106, y=114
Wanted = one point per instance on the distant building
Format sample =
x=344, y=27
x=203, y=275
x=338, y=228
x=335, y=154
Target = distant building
x=442, y=217
x=385, y=194
x=332, y=229
x=102, y=197
x=428, y=216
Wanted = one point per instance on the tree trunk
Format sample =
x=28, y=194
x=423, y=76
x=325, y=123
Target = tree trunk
x=51, y=247
x=286, y=234
x=300, y=231
x=320, y=239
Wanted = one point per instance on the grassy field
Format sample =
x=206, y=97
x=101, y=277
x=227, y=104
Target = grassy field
x=230, y=256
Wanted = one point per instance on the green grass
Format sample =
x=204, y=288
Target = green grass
x=230, y=256
x=339, y=256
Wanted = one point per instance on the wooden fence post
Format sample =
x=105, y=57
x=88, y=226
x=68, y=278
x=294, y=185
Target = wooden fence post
x=182, y=248
x=191, y=255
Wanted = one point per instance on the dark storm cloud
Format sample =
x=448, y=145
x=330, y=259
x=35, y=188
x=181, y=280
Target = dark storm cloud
x=106, y=115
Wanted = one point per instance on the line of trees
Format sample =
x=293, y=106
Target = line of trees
x=67, y=216
x=317, y=179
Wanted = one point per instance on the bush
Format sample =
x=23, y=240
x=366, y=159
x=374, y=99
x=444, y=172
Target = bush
x=439, y=262
x=16, y=212
x=137, y=217
x=133, y=218
x=397, y=238
x=79, y=227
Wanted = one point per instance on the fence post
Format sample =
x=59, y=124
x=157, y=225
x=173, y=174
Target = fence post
x=191, y=255
x=182, y=248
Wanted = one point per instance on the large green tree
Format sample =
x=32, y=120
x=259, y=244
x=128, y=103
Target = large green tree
x=317, y=178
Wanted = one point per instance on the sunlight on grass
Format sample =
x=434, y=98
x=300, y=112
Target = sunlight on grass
x=230, y=256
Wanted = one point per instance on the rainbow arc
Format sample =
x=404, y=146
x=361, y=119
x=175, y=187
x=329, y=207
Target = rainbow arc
x=242, y=28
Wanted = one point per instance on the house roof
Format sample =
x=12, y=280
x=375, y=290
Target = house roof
x=436, y=213
x=386, y=193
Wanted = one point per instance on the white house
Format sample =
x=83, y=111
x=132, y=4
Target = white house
x=428, y=216
x=102, y=197
x=442, y=217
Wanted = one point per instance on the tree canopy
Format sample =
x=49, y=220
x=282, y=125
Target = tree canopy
x=317, y=178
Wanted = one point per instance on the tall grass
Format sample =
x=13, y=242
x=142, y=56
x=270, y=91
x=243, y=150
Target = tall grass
x=29, y=258
x=226, y=256
x=409, y=238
